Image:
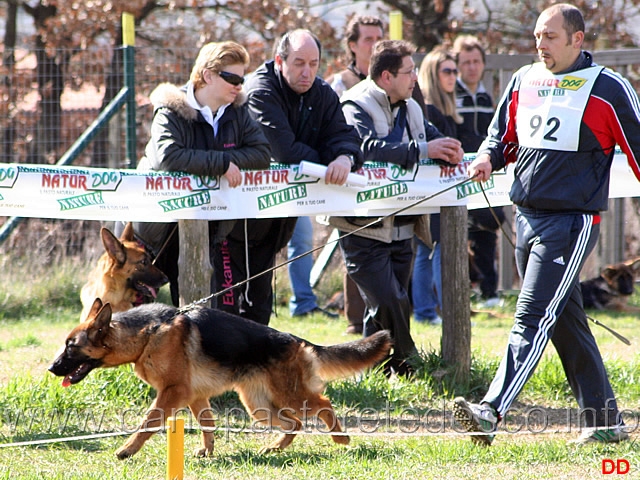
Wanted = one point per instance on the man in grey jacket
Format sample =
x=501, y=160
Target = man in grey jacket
x=393, y=130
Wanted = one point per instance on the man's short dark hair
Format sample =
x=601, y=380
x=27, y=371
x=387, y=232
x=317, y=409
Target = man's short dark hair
x=387, y=55
x=573, y=21
x=284, y=45
x=467, y=43
x=352, y=30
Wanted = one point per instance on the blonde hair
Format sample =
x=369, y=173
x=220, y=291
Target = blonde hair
x=430, y=85
x=215, y=56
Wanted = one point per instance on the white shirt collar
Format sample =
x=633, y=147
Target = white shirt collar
x=206, y=112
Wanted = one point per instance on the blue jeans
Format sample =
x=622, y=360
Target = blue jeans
x=425, y=278
x=302, y=299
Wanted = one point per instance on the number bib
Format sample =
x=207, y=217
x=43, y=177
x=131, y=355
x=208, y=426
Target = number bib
x=550, y=107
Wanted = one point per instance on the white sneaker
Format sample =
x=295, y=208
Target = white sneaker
x=476, y=417
x=437, y=320
x=602, y=435
x=491, y=303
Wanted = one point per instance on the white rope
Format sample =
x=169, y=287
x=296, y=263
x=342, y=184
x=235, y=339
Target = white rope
x=276, y=430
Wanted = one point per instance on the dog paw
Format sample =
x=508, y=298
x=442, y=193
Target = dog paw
x=268, y=449
x=124, y=453
x=203, y=452
x=341, y=439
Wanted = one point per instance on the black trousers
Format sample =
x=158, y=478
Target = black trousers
x=382, y=272
x=550, y=252
x=483, y=244
x=250, y=249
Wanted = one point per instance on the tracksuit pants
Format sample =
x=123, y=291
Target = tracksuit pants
x=551, y=250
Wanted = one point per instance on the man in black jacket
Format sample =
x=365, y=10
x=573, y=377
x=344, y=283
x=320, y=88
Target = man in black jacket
x=301, y=117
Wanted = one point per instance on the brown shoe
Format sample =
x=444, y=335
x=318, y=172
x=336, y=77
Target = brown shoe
x=354, y=329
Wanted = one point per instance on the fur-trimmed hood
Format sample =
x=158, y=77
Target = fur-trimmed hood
x=175, y=98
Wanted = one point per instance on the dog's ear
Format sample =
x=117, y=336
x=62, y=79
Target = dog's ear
x=609, y=272
x=113, y=246
x=634, y=264
x=127, y=233
x=100, y=323
x=95, y=308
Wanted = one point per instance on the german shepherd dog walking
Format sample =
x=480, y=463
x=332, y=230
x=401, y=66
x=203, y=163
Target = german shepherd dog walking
x=612, y=288
x=190, y=357
x=125, y=276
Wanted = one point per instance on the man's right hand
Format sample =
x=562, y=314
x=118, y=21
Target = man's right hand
x=447, y=149
x=480, y=169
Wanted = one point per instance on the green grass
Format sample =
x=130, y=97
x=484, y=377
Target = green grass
x=400, y=429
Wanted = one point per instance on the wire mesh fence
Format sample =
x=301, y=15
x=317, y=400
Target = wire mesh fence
x=48, y=99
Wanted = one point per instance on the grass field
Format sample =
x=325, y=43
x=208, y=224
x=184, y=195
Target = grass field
x=400, y=429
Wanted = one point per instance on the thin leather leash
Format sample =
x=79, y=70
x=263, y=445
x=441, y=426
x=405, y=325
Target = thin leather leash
x=204, y=300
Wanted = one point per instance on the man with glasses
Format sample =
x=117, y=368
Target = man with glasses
x=301, y=117
x=393, y=130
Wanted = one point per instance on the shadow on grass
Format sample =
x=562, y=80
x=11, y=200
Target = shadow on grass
x=296, y=456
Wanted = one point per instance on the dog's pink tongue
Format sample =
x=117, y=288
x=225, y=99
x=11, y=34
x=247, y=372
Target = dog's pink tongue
x=153, y=291
x=67, y=381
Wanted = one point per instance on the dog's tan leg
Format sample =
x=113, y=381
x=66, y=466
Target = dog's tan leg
x=201, y=409
x=166, y=404
x=287, y=421
x=154, y=419
x=325, y=412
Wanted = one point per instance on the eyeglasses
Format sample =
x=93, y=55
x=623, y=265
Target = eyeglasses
x=232, y=78
x=410, y=72
x=449, y=71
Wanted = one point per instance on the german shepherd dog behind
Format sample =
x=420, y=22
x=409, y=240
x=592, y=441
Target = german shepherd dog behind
x=191, y=357
x=125, y=276
x=612, y=288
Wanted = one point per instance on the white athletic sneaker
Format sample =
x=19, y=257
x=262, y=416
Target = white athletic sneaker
x=491, y=303
x=476, y=417
x=602, y=435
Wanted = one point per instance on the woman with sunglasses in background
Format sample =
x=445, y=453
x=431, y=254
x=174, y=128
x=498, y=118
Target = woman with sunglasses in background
x=437, y=80
x=202, y=128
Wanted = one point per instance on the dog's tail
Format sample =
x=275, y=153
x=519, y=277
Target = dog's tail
x=344, y=359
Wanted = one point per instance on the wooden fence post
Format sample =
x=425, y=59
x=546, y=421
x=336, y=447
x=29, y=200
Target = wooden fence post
x=194, y=279
x=456, y=310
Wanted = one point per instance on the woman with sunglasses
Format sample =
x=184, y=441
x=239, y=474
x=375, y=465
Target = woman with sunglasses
x=202, y=128
x=437, y=79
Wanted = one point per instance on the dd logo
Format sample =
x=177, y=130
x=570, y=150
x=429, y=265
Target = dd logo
x=619, y=466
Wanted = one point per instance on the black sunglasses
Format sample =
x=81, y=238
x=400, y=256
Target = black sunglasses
x=232, y=78
x=449, y=71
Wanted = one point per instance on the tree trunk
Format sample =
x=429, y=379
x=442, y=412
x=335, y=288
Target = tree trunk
x=456, y=325
x=194, y=279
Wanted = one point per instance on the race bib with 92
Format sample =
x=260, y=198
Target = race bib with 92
x=550, y=107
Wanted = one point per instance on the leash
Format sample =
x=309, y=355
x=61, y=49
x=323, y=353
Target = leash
x=204, y=300
x=620, y=337
x=164, y=245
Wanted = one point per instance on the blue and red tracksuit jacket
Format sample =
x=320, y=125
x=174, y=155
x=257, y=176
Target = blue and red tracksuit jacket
x=561, y=180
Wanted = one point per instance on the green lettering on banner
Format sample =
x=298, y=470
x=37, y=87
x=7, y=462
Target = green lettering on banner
x=282, y=196
x=471, y=188
x=190, y=201
x=387, y=191
x=88, y=199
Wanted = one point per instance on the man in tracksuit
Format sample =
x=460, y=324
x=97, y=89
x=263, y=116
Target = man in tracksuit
x=559, y=122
